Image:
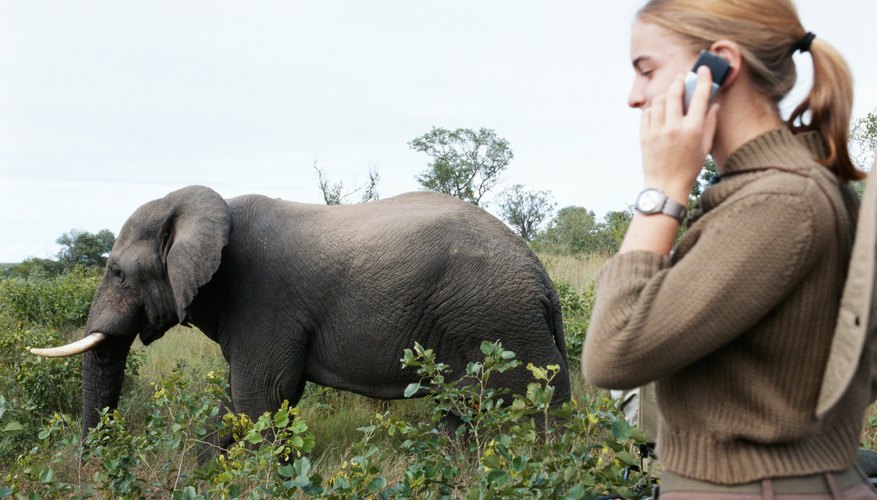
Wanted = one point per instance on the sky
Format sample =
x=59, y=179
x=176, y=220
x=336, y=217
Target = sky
x=106, y=105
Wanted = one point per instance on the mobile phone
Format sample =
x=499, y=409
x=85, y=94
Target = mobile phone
x=719, y=69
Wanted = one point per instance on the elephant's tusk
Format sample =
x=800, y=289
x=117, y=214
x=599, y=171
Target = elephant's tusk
x=80, y=346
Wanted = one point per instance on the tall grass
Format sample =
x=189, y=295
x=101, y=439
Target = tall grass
x=578, y=271
x=179, y=345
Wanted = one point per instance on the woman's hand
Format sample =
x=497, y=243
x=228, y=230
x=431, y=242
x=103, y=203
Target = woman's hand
x=674, y=144
x=674, y=148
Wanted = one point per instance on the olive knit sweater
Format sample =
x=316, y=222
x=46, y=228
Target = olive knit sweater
x=736, y=326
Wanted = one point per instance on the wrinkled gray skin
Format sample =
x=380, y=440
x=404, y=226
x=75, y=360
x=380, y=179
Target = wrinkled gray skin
x=330, y=294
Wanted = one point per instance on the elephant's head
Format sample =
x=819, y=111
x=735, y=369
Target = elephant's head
x=165, y=252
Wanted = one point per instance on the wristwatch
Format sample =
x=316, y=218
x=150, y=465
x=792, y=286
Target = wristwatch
x=654, y=201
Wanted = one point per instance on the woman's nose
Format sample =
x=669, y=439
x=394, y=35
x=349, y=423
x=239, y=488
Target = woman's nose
x=636, y=99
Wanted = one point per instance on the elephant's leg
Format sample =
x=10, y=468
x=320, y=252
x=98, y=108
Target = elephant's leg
x=261, y=379
x=216, y=441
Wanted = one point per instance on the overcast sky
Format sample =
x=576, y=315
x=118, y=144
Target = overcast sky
x=106, y=105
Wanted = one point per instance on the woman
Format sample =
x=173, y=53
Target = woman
x=736, y=325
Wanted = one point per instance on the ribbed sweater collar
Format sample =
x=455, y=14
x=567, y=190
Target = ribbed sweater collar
x=778, y=147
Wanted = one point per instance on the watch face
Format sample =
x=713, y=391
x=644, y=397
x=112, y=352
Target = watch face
x=649, y=201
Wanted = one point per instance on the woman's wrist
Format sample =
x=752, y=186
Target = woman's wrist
x=676, y=191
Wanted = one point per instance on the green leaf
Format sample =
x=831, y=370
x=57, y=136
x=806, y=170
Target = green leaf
x=285, y=470
x=411, y=390
x=492, y=461
x=626, y=457
x=187, y=493
x=47, y=475
x=620, y=429
x=302, y=466
x=281, y=419
x=377, y=484
x=13, y=426
x=488, y=348
x=6, y=491
x=577, y=492
x=340, y=484
x=301, y=482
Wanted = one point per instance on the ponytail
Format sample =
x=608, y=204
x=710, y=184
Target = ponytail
x=829, y=105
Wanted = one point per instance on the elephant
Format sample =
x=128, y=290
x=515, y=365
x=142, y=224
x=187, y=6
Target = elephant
x=296, y=292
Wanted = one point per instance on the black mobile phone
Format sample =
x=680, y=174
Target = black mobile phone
x=719, y=68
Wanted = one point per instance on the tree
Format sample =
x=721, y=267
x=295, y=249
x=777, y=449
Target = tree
x=612, y=230
x=82, y=247
x=35, y=267
x=576, y=230
x=571, y=231
x=332, y=192
x=525, y=210
x=707, y=174
x=466, y=163
x=863, y=140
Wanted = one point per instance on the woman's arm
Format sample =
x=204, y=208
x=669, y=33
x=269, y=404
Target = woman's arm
x=651, y=320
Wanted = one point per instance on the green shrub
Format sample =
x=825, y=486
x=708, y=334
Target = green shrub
x=58, y=302
x=513, y=447
x=31, y=388
x=510, y=447
x=577, y=307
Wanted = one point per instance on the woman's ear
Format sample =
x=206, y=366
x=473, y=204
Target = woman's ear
x=729, y=51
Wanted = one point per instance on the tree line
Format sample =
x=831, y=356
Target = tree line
x=79, y=249
x=467, y=164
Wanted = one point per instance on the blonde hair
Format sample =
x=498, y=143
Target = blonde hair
x=768, y=32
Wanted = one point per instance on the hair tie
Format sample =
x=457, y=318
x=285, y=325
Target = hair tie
x=804, y=43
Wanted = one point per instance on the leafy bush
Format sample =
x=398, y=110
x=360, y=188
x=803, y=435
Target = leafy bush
x=59, y=302
x=510, y=446
x=577, y=307
x=31, y=388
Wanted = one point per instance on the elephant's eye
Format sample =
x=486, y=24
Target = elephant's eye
x=118, y=274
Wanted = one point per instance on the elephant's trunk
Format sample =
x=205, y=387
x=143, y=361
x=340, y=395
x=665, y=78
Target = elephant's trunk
x=103, y=371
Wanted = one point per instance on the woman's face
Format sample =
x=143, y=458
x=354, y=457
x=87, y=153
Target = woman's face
x=658, y=55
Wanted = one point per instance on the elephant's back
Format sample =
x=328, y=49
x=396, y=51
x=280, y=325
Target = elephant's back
x=419, y=215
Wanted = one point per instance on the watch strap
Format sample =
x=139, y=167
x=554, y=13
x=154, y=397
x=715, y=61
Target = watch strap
x=673, y=209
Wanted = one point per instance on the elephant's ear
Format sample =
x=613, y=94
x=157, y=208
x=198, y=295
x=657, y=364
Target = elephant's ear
x=192, y=241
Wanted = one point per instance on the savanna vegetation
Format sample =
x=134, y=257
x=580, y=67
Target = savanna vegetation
x=333, y=445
